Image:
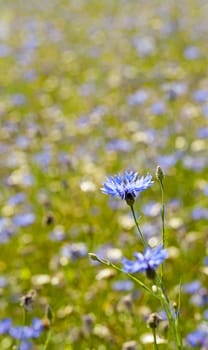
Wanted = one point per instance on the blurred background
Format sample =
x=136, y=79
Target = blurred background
x=89, y=89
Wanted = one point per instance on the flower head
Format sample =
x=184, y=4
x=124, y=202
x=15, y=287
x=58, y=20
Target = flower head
x=27, y=332
x=5, y=325
x=199, y=337
x=126, y=186
x=148, y=261
x=22, y=333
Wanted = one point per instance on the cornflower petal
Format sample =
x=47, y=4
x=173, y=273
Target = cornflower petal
x=5, y=325
x=25, y=345
x=149, y=260
x=133, y=267
x=126, y=186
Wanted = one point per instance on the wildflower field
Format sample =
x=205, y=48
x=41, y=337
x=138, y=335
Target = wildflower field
x=103, y=175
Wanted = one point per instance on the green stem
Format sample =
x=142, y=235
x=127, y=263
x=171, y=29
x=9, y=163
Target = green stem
x=177, y=333
x=155, y=338
x=137, y=225
x=163, y=219
x=47, y=339
x=132, y=277
x=162, y=213
x=172, y=320
x=24, y=316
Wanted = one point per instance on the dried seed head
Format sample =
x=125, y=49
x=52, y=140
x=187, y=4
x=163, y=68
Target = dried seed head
x=154, y=320
x=49, y=219
x=88, y=322
x=125, y=303
x=27, y=300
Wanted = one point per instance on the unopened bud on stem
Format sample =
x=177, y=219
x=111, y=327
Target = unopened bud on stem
x=159, y=174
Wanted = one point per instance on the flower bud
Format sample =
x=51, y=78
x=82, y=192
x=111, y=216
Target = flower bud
x=94, y=257
x=154, y=288
x=49, y=313
x=175, y=307
x=159, y=174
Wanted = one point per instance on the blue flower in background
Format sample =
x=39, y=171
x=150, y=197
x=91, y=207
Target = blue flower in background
x=148, y=261
x=125, y=285
x=192, y=287
x=74, y=251
x=126, y=186
x=191, y=53
x=206, y=314
x=27, y=332
x=22, y=333
x=175, y=89
x=200, y=298
x=199, y=213
x=201, y=95
x=168, y=160
x=199, y=337
x=108, y=252
x=57, y=234
x=18, y=99
x=5, y=50
x=3, y=282
x=16, y=199
x=5, y=325
x=152, y=208
x=119, y=145
x=25, y=345
x=158, y=108
x=43, y=158
x=7, y=230
x=195, y=163
x=24, y=219
x=202, y=133
x=137, y=98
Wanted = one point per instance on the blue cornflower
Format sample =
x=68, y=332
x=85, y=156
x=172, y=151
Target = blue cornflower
x=25, y=345
x=74, y=251
x=120, y=286
x=147, y=262
x=27, y=332
x=5, y=325
x=24, y=219
x=22, y=333
x=199, y=337
x=192, y=287
x=126, y=186
x=37, y=327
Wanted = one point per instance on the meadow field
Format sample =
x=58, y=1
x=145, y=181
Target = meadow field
x=91, y=89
